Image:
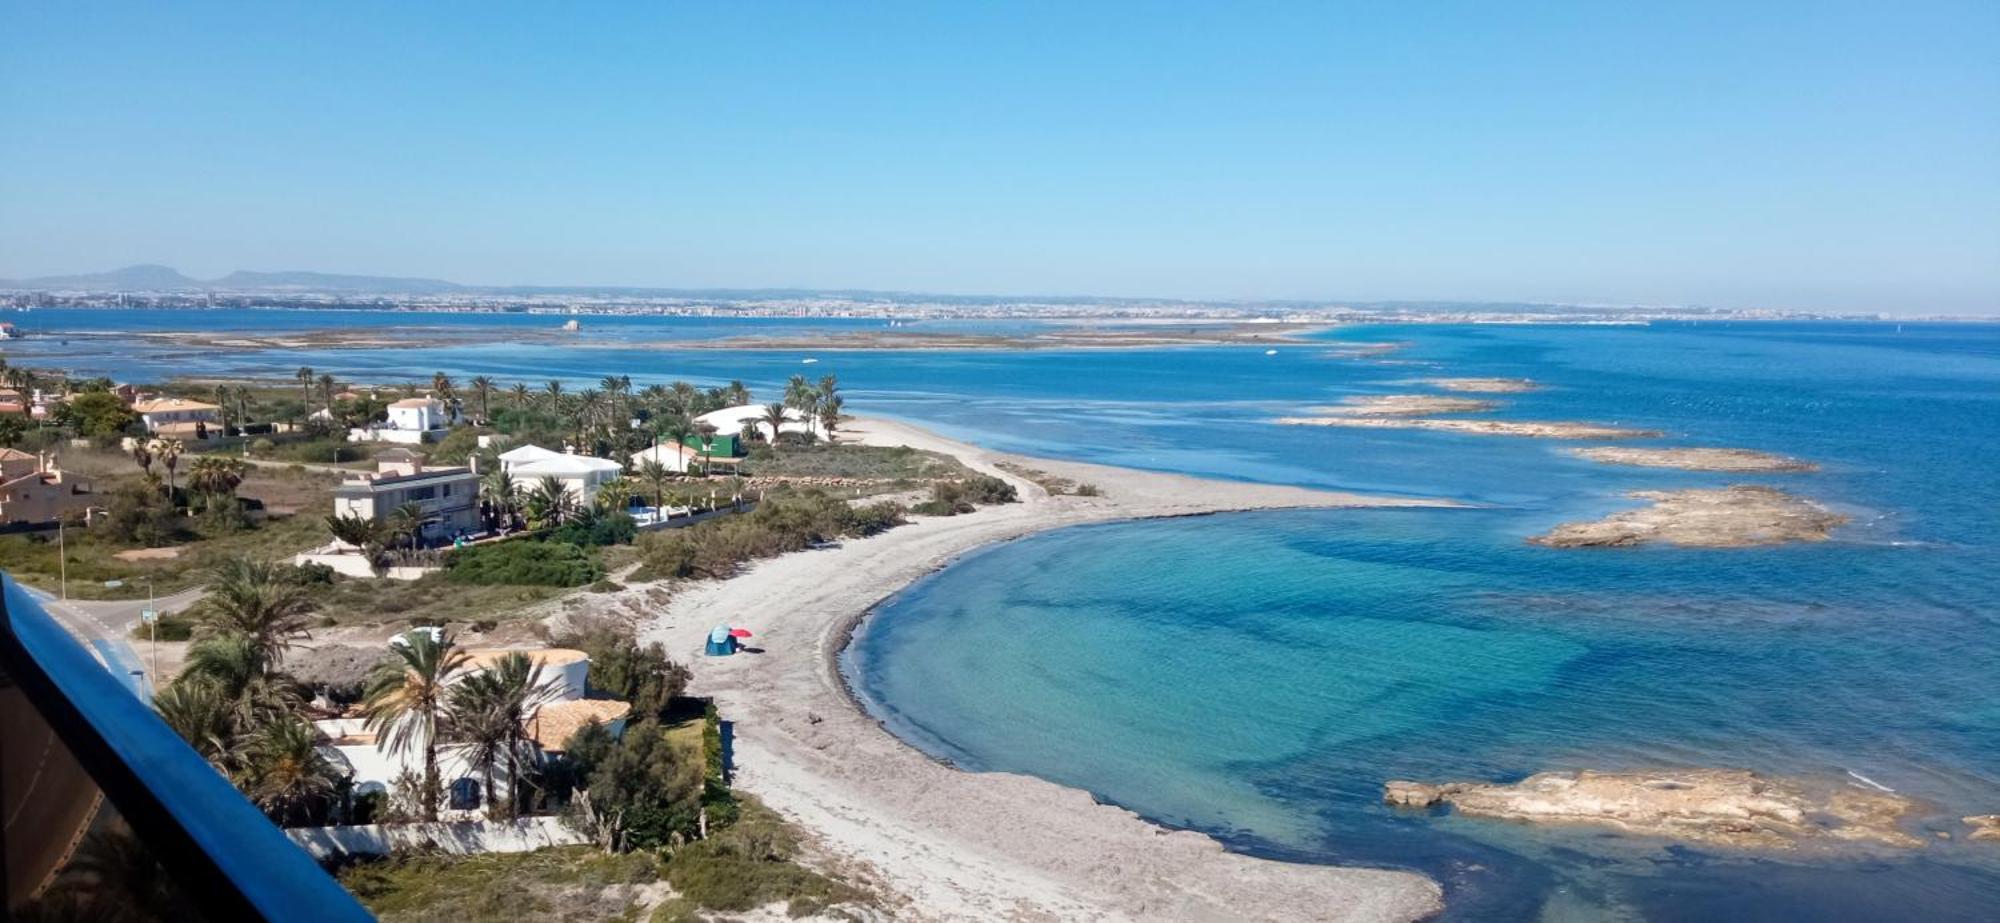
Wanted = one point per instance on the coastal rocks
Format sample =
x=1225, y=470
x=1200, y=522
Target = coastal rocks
x=1531, y=429
x=1728, y=517
x=1485, y=385
x=1695, y=459
x=1984, y=827
x=1720, y=807
x=1407, y=405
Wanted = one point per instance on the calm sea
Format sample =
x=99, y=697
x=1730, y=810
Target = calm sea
x=1258, y=676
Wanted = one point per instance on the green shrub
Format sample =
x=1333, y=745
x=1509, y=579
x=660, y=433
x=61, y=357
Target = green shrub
x=598, y=531
x=524, y=562
x=951, y=498
x=781, y=524
x=749, y=864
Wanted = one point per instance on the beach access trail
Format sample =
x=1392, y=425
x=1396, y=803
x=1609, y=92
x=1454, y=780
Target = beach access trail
x=949, y=844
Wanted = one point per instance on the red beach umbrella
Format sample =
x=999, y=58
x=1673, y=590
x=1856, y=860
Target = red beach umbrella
x=739, y=632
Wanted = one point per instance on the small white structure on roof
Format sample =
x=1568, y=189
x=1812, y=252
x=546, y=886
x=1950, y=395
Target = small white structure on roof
x=733, y=419
x=581, y=474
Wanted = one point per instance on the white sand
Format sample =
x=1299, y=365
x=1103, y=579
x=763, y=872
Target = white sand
x=986, y=846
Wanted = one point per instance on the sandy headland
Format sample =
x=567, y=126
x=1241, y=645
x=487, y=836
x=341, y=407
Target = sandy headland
x=1695, y=459
x=1718, y=807
x=1542, y=429
x=1724, y=517
x=950, y=844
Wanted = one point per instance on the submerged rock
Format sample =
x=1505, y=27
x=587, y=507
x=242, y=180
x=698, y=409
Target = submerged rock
x=1485, y=385
x=1406, y=405
x=1728, y=517
x=1534, y=429
x=1722, y=807
x=1984, y=827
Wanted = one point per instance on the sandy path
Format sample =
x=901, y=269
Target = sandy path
x=959, y=845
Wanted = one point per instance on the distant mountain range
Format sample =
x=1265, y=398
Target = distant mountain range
x=156, y=278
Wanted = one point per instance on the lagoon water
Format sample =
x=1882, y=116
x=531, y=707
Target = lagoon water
x=1258, y=676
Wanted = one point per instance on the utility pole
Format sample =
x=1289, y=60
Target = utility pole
x=62, y=560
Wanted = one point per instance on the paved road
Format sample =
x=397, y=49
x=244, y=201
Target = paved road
x=104, y=627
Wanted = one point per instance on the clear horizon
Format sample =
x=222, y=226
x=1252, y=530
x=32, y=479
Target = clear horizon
x=1831, y=157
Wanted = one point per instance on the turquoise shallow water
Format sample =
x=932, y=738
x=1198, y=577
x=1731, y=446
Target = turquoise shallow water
x=1258, y=676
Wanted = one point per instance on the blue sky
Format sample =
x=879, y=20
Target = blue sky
x=1813, y=155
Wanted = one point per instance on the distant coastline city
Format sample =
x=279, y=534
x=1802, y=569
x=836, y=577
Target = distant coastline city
x=151, y=286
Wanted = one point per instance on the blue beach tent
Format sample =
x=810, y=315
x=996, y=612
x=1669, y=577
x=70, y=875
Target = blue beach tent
x=720, y=642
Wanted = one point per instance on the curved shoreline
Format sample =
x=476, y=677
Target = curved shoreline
x=954, y=844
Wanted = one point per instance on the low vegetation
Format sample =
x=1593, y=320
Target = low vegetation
x=837, y=460
x=1055, y=484
x=781, y=524
x=952, y=498
x=524, y=562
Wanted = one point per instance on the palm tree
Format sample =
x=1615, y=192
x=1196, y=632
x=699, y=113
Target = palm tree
x=552, y=396
x=407, y=521
x=482, y=391
x=475, y=718
x=774, y=414
x=614, y=388
x=243, y=404
x=405, y=697
x=168, y=451
x=284, y=771
x=588, y=403
x=198, y=710
x=254, y=598
x=326, y=393
x=707, y=433
x=615, y=495
x=501, y=494
x=358, y=531
x=550, y=503
x=221, y=396
x=304, y=376
x=441, y=383
x=519, y=696
x=216, y=477
x=737, y=394
x=829, y=414
x=656, y=475
x=519, y=395
x=142, y=454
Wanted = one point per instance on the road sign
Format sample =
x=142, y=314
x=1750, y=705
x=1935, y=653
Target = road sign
x=149, y=616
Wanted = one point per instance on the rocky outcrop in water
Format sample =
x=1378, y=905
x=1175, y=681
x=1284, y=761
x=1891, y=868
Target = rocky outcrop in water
x=1406, y=405
x=1728, y=517
x=1984, y=827
x=1691, y=459
x=1538, y=429
x=1485, y=385
x=1721, y=807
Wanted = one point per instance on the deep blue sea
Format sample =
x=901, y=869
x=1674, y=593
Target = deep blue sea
x=1258, y=676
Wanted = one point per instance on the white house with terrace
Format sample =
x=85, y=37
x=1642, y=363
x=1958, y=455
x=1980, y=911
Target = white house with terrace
x=582, y=475
x=411, y=421
x=735, y=419
x=373, y=765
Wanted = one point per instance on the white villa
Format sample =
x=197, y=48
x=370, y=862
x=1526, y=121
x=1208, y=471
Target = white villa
x=412, y=421
x=730, y=420
x=582, y=474
x=375, y=767
x=179, y=417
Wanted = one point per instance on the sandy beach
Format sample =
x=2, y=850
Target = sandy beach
x=956, y=845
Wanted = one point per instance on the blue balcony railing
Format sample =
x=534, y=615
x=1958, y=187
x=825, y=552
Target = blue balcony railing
x=109, y=814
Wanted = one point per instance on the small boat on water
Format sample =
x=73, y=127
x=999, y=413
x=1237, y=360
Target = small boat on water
x=572, y=325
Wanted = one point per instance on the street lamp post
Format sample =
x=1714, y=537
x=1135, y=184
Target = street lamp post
x=151, y=616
